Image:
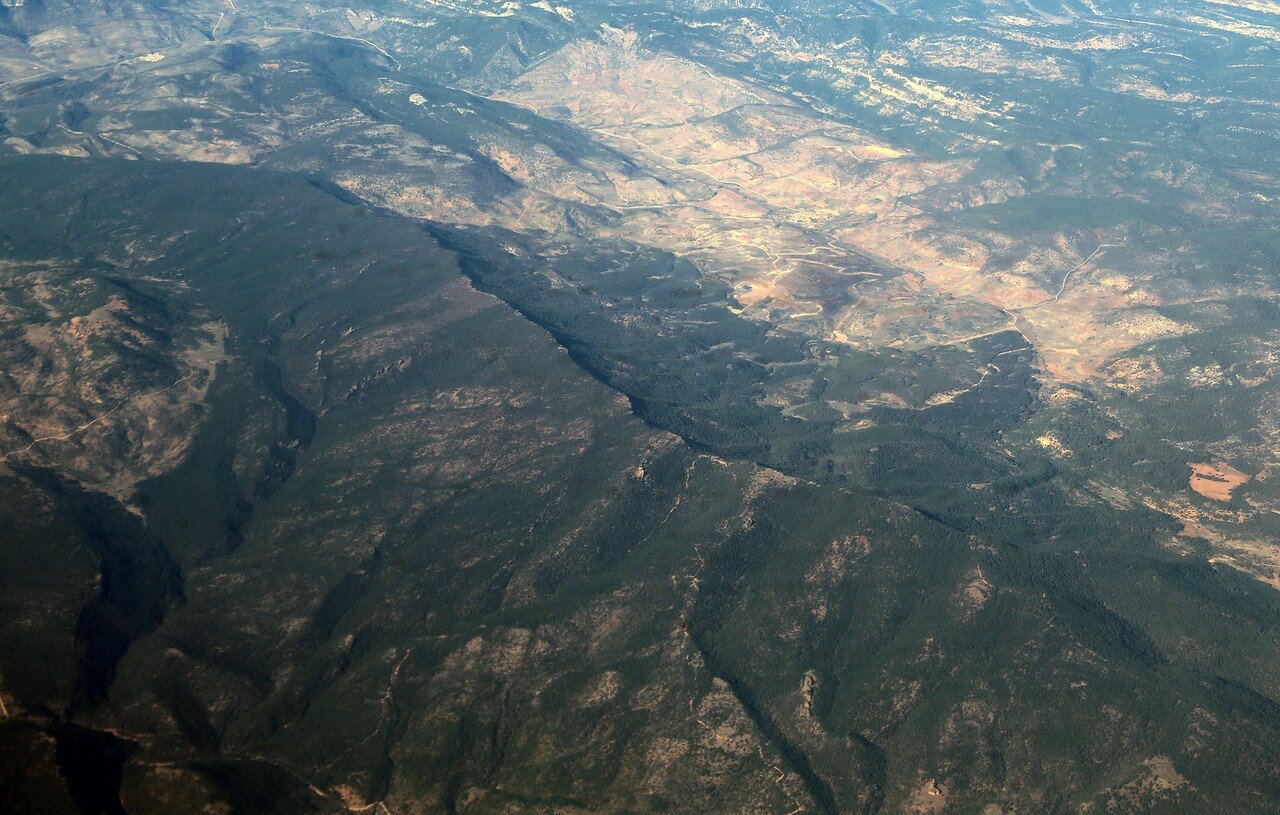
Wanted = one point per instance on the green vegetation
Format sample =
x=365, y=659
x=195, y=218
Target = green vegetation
x=470, y=452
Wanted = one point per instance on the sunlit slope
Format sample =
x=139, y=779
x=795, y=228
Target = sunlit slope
x=821, y=406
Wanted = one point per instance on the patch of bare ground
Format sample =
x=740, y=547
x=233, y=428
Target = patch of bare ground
x=1157, y=780
x=67, y=400
x=808, y=688
x=1256, y=559
x=1217, y=480
x=1219, y=527
x=765, y=181
x=1054, y=445
x=927, y=799
x=694, y=735
x=614, y=81
x=976, y=590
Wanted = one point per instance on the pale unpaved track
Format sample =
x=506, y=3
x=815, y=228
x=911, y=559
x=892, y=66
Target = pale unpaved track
x=1067, y=277
x=362, y=40
x=76, y=431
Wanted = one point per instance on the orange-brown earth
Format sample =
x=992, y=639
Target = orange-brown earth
x=1217, y=480
x=774, y=197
